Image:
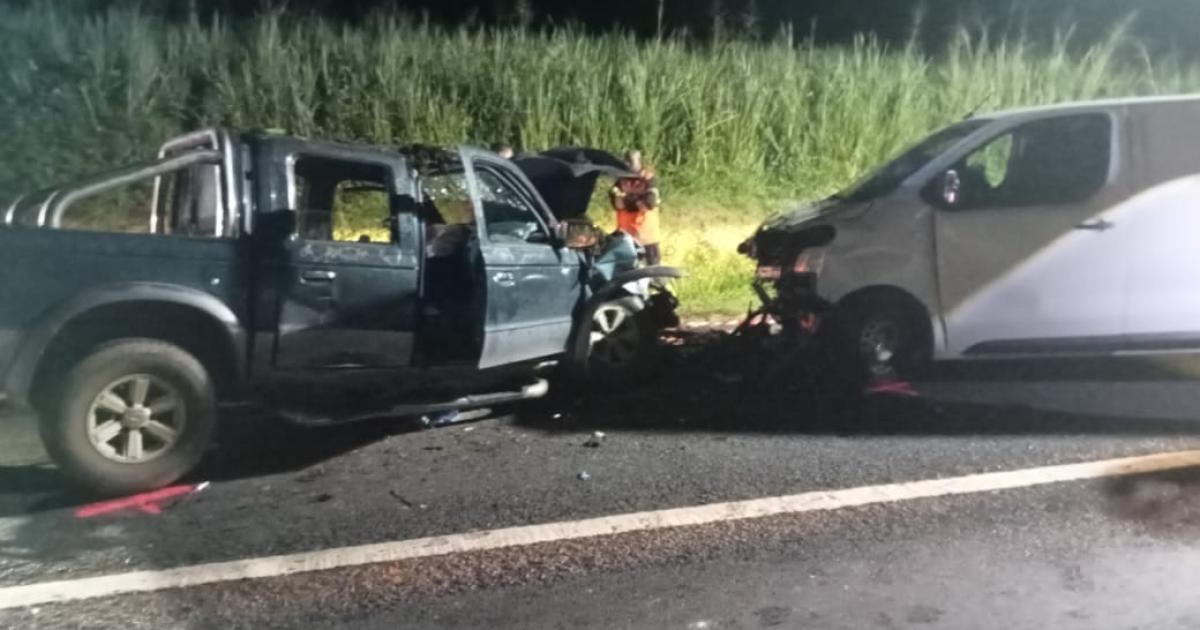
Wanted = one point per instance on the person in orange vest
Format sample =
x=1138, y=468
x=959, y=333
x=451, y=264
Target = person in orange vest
x=636, y=201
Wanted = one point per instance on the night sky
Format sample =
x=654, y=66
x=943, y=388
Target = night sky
x=1164, y=25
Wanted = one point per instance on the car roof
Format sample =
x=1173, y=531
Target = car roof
x=1087, y=106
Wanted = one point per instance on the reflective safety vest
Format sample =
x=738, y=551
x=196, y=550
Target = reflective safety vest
x=636, y=201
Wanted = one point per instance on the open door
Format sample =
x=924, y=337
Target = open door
x=533, y=284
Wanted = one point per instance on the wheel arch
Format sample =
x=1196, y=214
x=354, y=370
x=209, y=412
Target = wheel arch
x=196, y=321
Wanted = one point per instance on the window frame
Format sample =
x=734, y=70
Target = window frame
x=292, y=184
x=1013, y=128
x=481, y=164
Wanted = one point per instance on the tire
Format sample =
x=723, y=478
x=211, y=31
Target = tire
x=876, y=339
x=168, y=401
x=621, y=344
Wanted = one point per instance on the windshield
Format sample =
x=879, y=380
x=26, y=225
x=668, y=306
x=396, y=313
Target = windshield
x=893, y=173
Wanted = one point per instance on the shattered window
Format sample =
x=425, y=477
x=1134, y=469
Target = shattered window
x=509, y=216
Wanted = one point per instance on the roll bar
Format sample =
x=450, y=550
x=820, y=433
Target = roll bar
x=213, y=139
x=56, y=205
x=205, y=146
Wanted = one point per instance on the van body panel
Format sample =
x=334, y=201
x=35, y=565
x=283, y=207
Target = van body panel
x=1162, y=257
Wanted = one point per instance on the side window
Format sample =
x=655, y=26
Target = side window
x=1048, y=162
x=509, y=216
x=342, y=201
x=990, y=163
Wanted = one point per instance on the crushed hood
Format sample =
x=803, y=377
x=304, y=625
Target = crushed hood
x=833, y=207
x=566, y=177
x=812, y=225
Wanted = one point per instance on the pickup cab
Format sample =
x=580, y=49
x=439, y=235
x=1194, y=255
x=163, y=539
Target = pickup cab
x=332, y=282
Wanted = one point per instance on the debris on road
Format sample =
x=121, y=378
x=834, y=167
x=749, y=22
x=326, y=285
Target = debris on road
x=403, y=501
x=596, y=439
x=146, y=503
x=324, y=497
x=584, y=476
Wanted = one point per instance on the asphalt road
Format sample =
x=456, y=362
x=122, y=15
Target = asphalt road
x=1106, y=553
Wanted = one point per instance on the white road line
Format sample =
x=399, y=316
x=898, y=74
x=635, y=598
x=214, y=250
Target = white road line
x=275, y=566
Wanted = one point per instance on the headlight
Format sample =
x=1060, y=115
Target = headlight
x=768, y=272
x=810, y=261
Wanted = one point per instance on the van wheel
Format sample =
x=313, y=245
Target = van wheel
x=621, y=344
x=878, y=339
x=134, y=415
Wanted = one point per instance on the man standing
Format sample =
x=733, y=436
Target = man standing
x=636, y=201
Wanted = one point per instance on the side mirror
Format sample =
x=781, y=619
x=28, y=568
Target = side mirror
x=578, y=234
x=276, y=226
x=944, y=191
x=949, y=189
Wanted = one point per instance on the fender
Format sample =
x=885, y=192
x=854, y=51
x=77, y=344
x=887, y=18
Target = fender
x=614, y=287
x=19, y=379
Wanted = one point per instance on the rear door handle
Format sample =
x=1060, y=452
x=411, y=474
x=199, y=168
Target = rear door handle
x=316, y=276
x=1096, y=225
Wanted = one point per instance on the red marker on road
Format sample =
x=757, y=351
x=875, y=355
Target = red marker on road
x=147, y=502
x=898, y=388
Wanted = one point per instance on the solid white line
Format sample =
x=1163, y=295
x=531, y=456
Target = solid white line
x=275, y=566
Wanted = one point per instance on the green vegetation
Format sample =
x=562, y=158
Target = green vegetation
x=732, y=129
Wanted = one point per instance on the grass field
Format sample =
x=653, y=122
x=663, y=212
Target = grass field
x=736, y=130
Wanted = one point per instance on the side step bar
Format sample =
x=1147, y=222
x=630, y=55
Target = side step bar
x=534, y=390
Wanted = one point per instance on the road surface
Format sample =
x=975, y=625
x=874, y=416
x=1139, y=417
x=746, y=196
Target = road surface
x=1108, y=551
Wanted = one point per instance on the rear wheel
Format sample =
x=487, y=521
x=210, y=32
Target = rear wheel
x=134, y=415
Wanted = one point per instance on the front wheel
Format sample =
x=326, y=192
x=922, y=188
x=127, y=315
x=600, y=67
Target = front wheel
x=134, y=415
x=620, y=344
x=877, y=339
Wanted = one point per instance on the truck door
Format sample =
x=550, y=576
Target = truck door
x=532, y=284
x=348, y=281
x=1029, y=259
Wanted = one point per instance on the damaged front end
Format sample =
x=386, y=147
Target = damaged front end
x=790, y=255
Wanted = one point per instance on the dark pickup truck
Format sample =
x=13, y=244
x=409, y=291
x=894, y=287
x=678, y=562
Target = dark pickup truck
x=331, y=282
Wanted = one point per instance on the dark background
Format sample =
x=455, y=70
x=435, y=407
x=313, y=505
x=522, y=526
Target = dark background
x=1165, y=26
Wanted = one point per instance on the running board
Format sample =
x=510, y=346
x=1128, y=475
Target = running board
x=536, y=389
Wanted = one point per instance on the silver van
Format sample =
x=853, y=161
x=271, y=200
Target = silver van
x=1060, y=230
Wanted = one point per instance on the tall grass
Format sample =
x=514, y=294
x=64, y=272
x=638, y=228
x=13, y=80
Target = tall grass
x=730, y=127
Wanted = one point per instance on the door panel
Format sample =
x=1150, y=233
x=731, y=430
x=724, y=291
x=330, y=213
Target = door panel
x=533, y=287
x=347, y=305
x=532, y=291
x=348, y=284
x=1032, y=259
